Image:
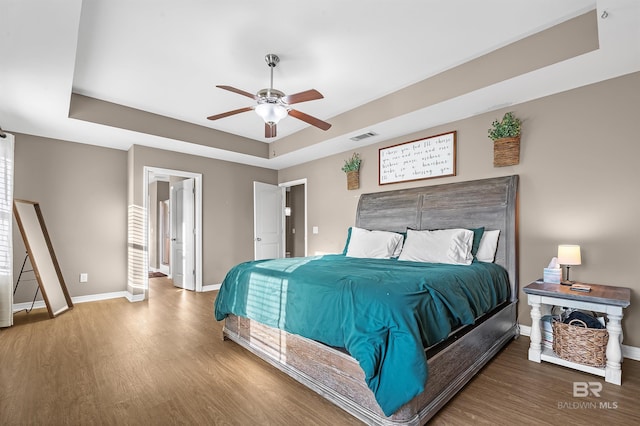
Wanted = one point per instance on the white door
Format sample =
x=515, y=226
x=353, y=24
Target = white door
x=268, y=221
x=182, y=200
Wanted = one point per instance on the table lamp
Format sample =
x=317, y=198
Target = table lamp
x=569, y=255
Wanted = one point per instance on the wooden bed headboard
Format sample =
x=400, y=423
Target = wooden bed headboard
x=491, y=203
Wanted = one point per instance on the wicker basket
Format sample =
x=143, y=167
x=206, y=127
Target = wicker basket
x=583, y=345
x=506, y=152
x=353, y=179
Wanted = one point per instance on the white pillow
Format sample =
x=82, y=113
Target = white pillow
x=488, y=245
x=451, y=246
x=374, y=244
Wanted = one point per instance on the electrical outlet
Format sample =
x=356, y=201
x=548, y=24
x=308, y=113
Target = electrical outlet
x=315, y=230
x=84, y=277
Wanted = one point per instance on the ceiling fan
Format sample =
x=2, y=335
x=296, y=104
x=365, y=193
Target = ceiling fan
x=273, y=105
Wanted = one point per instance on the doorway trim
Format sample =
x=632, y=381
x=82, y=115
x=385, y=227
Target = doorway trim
x=198, y=218
x=297, y=182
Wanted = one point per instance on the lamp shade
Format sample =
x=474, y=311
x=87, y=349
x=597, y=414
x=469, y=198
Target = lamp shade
x=271, y=113
x=569, y=254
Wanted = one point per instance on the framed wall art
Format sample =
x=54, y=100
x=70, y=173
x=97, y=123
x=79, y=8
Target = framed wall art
x=430, y=157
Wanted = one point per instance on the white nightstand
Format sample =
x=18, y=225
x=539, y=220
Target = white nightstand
x=602, y=298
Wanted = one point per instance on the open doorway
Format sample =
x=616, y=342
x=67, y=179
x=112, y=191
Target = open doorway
x=280, y=219
x=173, y=220
x=295, y=211
x=159, y=225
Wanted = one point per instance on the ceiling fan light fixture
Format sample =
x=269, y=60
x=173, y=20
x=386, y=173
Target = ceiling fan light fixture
x=271, y=113
x=273, y=105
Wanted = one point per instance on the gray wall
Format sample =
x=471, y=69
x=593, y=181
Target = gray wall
x=82, y=192
x=578, y=184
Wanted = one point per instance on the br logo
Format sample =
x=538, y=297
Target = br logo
x=584, y=389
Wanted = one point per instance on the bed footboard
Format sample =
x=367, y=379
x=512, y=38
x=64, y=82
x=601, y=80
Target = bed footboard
x=338, y=377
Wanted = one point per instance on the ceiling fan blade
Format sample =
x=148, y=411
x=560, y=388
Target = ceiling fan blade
x=238, y=91
x=269, y=130
x=309, y=119
x=229, y=113
x=308, y=95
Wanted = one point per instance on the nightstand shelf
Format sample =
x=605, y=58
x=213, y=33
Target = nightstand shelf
x=606, y=299
x=549, y=356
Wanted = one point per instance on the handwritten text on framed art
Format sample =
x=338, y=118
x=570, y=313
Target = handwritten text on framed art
x=431, y=157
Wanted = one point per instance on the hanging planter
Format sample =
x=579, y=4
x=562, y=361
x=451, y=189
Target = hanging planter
x=352, y=169
x=506, y=152
x=353, y=179
x=506, y=140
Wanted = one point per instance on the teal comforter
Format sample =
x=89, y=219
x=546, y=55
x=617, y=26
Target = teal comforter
x=382, y=311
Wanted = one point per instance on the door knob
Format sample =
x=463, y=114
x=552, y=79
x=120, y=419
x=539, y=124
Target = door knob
x=258, y=239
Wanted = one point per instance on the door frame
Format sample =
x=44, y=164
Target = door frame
x=288, y=184
x=147, y=170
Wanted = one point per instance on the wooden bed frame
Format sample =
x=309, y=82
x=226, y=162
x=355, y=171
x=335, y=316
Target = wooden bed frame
x=334, y=374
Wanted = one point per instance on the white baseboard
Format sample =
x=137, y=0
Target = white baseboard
x=630, y=352
x=133, y=297
x=101, y=296
x=211, y=287
x=96, y=297
x=76, y=299
x=27, y=305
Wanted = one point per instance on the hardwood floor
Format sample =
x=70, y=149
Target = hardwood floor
x=164, y=362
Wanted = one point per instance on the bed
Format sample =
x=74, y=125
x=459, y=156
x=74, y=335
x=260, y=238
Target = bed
x=385, y=383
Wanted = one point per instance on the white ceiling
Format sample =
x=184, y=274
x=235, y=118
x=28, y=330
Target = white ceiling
x=166, y=57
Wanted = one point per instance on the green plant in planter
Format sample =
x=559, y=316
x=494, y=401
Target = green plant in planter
x=509, y=127
x=352, y=164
